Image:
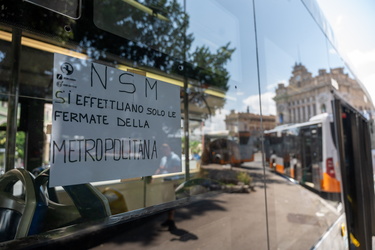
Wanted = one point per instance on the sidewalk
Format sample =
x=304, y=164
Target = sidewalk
x=297, y=219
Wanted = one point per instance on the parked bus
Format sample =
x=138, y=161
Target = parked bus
x=306, y=152
x=223, y=148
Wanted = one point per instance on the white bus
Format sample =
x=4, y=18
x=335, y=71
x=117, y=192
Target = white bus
x=306, y=152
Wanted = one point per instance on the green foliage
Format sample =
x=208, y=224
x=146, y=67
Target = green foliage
x=194, y=146
x=165, y=30
x=226, y=176
x=20, y=143
x=244, y=178
x=213, y=65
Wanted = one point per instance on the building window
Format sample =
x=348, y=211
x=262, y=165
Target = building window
x=308, y=111
x=303, y=114
x=323, y=108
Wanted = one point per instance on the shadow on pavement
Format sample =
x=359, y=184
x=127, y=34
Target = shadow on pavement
x=183, y=235
x=146, y=231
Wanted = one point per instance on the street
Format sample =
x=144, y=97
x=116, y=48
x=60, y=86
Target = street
x=297, y=218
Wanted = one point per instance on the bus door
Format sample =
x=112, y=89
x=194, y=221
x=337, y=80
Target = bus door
x=353, y=140
x=311, y=145
x=246, y=146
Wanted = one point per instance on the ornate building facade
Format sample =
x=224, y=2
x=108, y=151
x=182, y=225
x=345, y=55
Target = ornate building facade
x=246, y=121
x=306, y=95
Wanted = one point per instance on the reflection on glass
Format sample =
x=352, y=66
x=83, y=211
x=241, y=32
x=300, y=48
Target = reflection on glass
x=156, y=24
x=258, y=172
x=297, y=151
x=20, y=138
x=297, y=76
x=70, y=8
x=307, y=95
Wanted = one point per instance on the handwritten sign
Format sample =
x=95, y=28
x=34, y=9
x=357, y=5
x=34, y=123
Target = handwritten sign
x=109, y=124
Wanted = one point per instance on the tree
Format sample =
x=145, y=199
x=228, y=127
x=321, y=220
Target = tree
x=213, y=71
x=20, y=143
x=156, y=38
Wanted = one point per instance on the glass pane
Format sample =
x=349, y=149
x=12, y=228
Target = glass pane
x=225, y=107
x=176, y=120
x=297, y=75
x=212, y=66
x=155, y=24
x=70, y=8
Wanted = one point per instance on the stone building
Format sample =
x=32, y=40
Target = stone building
x=308, y=95
x=246, y=121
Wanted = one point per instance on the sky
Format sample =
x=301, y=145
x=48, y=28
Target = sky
x=353, y=24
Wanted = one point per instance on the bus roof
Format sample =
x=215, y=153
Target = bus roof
x=321, y=117
x=313, y=120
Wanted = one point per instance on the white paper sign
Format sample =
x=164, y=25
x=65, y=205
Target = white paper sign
x=109, y=124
